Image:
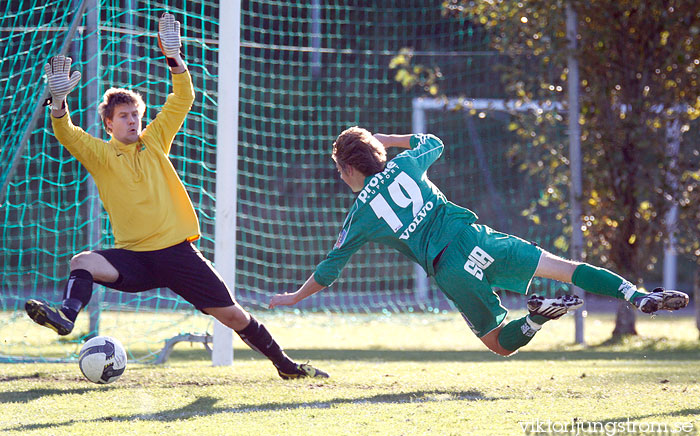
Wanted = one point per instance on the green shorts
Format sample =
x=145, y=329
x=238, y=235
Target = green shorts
x=478, y=260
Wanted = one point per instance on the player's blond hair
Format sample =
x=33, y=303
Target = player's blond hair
x=360, y=149
x=116, y=96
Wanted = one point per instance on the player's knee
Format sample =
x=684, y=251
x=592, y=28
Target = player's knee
x=498, y=349
x=491, y=341
x=234, y=317
x=84, y=260
x=502, y=351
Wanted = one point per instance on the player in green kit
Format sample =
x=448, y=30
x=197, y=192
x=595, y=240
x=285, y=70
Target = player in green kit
x=398, y=206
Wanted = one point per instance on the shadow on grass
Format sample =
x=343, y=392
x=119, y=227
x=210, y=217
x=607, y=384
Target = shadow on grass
x=11, y=378
x=32, y=394
x=454, y=356
x=206, y=406
x=35, y=394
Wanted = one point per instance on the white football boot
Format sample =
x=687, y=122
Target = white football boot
x=661, y=299
x=553, y=308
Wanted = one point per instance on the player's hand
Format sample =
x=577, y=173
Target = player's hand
x=61, y=81
x=283, y=300
x=169, y=37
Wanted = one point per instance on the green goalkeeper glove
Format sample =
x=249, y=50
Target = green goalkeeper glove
x=169, y=39
x=61, y=82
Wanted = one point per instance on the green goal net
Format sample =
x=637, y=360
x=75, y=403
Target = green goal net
x=50, y=206
x=307, y=71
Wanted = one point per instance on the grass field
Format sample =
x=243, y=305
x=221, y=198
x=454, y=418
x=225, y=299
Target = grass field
x=391, y=375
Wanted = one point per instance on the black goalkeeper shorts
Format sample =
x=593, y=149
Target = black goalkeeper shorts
x=182, y=268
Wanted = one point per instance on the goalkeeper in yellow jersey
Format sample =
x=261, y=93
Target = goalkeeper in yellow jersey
x=152, y=217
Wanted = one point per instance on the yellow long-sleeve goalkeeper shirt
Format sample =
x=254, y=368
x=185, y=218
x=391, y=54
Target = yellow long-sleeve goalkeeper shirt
x=147, y=203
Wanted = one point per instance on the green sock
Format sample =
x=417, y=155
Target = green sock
x=519, y=332
x=604, y=282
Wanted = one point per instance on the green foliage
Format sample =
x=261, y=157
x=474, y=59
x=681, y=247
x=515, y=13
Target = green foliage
x=638, y=64
x=411, y=75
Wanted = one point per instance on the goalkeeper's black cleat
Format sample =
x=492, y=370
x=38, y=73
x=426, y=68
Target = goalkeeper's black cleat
x=44, y=314
x=303, y=370
x=661, y=299
x=553, y=308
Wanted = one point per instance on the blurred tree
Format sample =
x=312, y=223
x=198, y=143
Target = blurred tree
x=638, y=64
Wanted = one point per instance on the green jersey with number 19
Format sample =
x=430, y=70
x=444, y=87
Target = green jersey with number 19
x=401, y=208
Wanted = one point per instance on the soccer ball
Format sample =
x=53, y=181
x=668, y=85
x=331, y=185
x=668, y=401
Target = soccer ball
x=102, y=359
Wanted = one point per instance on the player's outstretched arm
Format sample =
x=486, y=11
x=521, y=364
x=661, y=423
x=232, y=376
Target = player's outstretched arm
x=289, y=299
x=167, y=123
x=86, y=148
x=61, y=82
x=400, y=141
x=169, y=42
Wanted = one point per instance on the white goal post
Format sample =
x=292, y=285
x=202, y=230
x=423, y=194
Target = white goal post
x=227, y=165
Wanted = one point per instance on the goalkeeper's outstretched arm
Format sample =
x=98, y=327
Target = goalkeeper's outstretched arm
x=169, y=42
x=168, y=122
x=289, y=299
x=61, y=82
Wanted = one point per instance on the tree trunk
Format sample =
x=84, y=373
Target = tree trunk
x=625, y=320
x=696, y=291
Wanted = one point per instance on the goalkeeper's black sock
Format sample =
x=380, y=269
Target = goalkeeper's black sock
x=519, y=332
x=259, y=339
x=77, y=293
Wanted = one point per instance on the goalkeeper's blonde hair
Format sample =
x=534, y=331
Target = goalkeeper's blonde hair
x=117, y=96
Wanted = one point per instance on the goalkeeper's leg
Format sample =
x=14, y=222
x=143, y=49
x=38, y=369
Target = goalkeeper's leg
x=76, y=293
x=257, y=337
x=186, y=272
